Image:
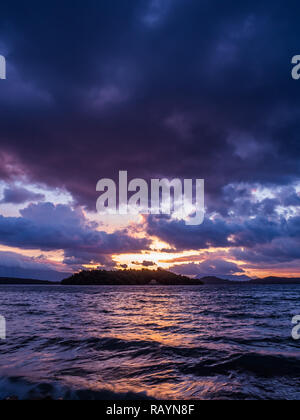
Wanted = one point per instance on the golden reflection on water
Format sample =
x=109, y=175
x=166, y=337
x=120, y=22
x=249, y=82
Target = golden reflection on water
x=146, y=318
x=155, y=319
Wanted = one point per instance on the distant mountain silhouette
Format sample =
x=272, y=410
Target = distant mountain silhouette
x=266, y=280
x=276, y=280
x=35, y=274
x=215, y=280
x=8, y=280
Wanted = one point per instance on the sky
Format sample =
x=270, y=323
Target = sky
x=163, y=89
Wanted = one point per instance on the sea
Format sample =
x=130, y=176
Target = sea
x=150, y=342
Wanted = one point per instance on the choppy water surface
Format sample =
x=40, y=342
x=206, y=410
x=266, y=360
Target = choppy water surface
x=207, y=342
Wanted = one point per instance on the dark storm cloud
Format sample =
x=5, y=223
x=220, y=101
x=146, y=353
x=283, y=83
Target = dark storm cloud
x=260, y=228
x=181, y=88
x=238, y=199
x=19, y=266
x=218, y=232
x=144, y=263
x=258, y=242
x=281, y=250
x=210, y=267
x=15, y=195
x=47, y=227
x=183, y=237
x=261, y=232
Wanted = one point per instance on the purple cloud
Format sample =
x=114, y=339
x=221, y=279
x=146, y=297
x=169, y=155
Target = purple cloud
x=19, y=266
x=222, y=116
x=48, y=227
x=17, y=195
x=145, y=263
x=251, y=138
x=210, y=267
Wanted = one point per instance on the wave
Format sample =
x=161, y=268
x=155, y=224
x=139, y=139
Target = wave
x=19, y=388
x=134, y=348
x=255, y=363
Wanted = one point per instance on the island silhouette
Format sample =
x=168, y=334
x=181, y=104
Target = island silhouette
x=129, y=277
x=145, y=277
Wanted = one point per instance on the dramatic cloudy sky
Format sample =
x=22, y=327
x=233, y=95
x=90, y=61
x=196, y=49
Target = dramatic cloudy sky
x=161, y=88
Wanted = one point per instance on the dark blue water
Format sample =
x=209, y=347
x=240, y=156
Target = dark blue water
x=225, y=342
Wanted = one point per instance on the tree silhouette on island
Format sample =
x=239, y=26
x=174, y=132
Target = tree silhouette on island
x=129, y=277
